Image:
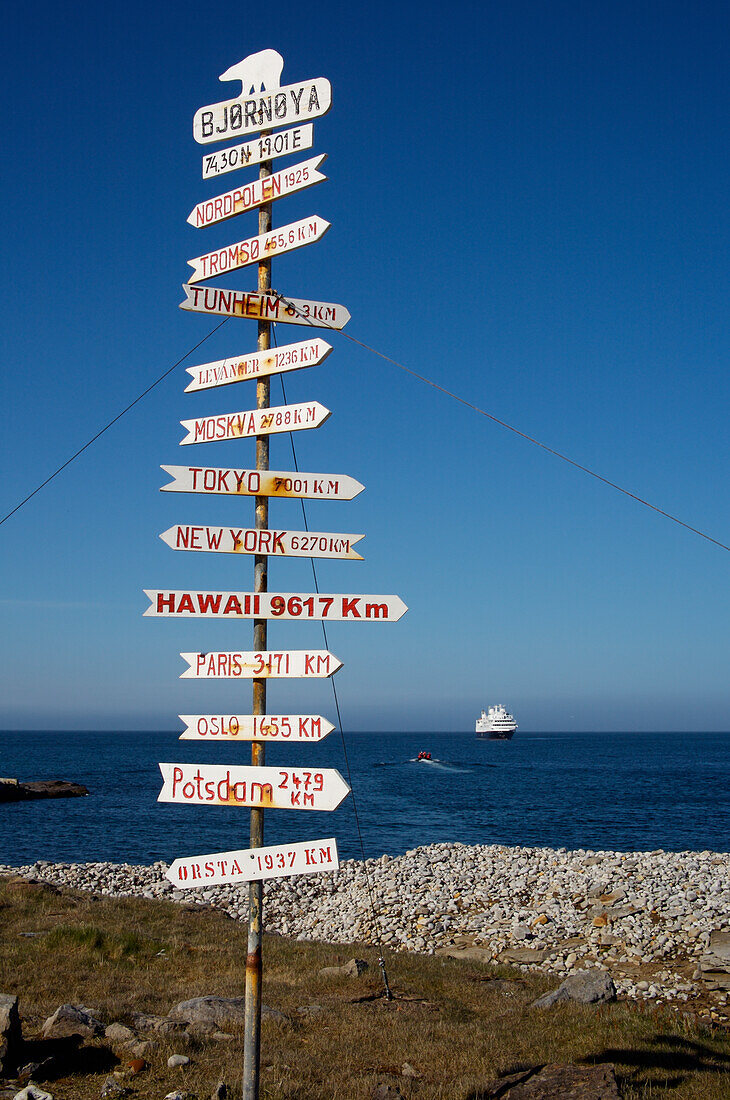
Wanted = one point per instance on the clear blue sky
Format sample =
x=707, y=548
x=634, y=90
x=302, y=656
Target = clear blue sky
x=529, y=204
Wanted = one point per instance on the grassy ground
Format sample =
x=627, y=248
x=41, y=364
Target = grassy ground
x=458, y=1025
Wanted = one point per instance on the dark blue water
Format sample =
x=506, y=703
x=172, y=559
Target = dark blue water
x=624, y=791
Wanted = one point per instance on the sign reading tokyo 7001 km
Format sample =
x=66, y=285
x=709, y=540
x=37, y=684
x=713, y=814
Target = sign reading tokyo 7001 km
x=253, y=483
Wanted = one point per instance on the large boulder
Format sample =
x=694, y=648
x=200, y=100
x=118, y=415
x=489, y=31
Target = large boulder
x=72, y=1020
x=715, y=963
x=10, y=1033
x=556, y=1081
x=218, y=1010
x=586, y=987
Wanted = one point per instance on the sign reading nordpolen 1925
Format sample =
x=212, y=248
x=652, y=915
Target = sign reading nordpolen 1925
x=248, y=196
x=281, y=107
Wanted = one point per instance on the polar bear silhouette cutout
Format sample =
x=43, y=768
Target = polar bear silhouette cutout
x=257, y=72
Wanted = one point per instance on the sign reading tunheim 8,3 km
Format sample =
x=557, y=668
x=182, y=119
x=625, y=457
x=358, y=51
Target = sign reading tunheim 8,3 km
x=266, y=107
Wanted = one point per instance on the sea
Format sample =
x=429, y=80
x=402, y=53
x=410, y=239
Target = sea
x=617, y=791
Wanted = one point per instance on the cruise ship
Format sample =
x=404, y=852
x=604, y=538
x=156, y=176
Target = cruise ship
x=496, y=724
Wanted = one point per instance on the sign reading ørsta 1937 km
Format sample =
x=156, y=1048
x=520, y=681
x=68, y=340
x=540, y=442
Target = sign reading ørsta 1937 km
x=281, y=114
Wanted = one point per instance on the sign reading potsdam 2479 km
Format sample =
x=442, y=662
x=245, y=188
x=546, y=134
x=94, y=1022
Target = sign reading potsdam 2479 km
x=242, y=785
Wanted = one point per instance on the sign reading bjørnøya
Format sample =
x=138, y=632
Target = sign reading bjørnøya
x=281, y=144
x=243, y=425
x=254, y=249
x=274, y=605
x=274, y=861
x=247, y=196
x=264, y=483
x=281, y=107
x=250, y=540
x=255, y=727
x=239, y=368
x=264, y=307
x=245, y=785
x=262, y=664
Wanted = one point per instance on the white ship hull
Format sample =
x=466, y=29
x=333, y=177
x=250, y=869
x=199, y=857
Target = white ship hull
x=496, y=724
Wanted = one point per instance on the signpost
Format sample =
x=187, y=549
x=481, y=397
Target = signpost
x=239, y=368
x=241, y=425
x=275, y=861
x=250, y=251
x=270, y=483
x=282, y=107
x=263, y=190
x=255, y=727
x=264, y=307
x=307, y=606
x=260, y=787
x=247, y=540
x=264, y=148
x=261, y=665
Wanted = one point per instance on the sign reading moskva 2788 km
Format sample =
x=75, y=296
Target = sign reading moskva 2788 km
x=274, y=605
x=268, y=421
x=281, y=107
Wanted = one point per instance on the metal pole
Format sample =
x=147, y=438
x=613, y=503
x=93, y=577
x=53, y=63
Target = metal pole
x=252, y=1022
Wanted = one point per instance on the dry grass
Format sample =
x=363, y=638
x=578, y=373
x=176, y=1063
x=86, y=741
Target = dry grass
x=457, y=1024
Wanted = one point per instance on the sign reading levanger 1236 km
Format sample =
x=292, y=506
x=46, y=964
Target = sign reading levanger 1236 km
x=239, y=368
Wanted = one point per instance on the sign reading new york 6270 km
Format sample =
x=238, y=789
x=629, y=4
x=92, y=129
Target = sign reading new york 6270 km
x=242, y=785
x=274, y=605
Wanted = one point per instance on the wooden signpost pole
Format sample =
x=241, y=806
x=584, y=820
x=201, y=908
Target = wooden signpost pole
x=252, y=1023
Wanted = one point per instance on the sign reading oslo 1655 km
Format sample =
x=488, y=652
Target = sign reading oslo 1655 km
x=245, y=785
x=274, y=605
x=281, y=107
x=247, y=196
x=264, y=307
x=261, y=664
x=250, y=540
x=274, y=861
x=264, y=483
x=239, y=368
x=262, y=247
x=241, y=425
x=255, y=727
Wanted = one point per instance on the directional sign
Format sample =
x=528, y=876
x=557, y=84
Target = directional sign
x=247, y=196
x=264, y=148
x=242, y=425
x=281, y=107
x=260, y=483
x=249, y=540
x=255, y=727
x=249, y=864
x=261, y=665
x=241, y=785
x=239, y=368
x=274, y=605
x=262, y=247
x=264, y=307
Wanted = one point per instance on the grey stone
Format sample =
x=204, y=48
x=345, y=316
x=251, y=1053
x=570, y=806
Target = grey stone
x=586, y=987
x=310, y=1010
x=10, y=1032
x=178, y=1060
x=715, y=964
x=473, y=954
x=520, y=955
x=218, y=1010
x=352, y=969
x=32, y=1092
x=556, y=1081
x=112, y=1089
x=118, y=1033
x=71, y=1020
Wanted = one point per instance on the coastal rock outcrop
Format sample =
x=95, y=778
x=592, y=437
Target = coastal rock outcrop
x=10, y=1033
x=72, y=1020
x=586, y=987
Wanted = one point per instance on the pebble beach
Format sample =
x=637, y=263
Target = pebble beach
x=653, y=919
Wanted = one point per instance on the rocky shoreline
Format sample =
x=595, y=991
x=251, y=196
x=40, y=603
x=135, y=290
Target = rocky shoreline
x=658, y=921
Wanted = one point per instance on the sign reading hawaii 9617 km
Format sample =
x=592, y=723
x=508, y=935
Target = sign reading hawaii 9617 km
x=282, y=115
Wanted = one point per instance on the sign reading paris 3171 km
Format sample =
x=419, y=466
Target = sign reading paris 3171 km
x=272, y=121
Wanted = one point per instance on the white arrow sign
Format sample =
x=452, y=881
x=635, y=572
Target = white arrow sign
x=264, y=307
x=274, y=605
x=243, y=425
x=249, y=540
x=261, y=665
x=255, y=727
x=239, y=368
x=249, y=864
x=247, y=196
x=262, y=247
x=281, y=107
x=260, y=483
x=264, y=148
x=241, y=785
